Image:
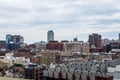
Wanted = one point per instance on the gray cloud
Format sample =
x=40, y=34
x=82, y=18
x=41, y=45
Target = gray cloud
x=70, y=17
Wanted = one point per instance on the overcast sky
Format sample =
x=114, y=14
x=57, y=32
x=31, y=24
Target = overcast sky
x=67, y=18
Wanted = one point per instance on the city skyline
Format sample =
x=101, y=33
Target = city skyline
x=68, y=19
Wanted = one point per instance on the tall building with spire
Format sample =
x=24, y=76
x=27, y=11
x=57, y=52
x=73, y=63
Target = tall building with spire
x=50, y=36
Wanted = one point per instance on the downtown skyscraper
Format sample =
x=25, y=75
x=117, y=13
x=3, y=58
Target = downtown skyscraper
x=50, y=36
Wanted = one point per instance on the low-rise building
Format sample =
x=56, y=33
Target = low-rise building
x=32, y=71
x=2, y=44
x=86, y=48
x=73, y=47
x=54, y=45
x=78, y=71
x=10, y=59
x=41, y=45
x=23, y=53
x=48, y=57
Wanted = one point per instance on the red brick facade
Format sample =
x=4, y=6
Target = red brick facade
x=54, y=46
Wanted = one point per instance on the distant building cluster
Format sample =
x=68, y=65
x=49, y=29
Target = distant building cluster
x=13, y=41
x=96, y=59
